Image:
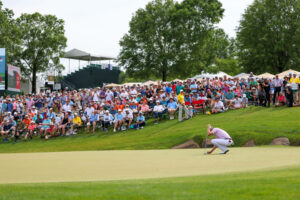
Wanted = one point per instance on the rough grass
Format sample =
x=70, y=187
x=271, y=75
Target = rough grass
x=260, y=124
x=280, y=184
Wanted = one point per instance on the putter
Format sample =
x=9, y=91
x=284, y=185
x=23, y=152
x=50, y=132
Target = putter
x=205, y=153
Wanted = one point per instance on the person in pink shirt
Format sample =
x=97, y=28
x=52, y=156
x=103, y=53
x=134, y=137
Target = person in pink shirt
x=222, y=141
x=144, y=108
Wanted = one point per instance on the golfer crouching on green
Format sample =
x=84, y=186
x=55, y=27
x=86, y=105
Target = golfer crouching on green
x=222, y=141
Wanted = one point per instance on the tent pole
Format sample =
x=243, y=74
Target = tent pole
x=69, y=66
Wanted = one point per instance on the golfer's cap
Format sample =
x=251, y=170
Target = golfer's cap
x=119, y=110
x=211, y=127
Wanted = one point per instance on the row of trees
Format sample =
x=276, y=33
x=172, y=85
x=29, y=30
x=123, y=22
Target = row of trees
x=33, y=42
x=170, y=39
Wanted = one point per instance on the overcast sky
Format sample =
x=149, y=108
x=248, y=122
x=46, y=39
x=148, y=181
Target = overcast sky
x=96, y=26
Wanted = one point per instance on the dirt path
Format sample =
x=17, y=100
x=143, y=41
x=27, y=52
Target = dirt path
x=117, y=165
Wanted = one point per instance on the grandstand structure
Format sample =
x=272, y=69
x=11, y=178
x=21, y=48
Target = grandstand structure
x=93, y=75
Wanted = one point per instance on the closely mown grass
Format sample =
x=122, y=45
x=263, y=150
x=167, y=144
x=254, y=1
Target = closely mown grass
x=277, y=184
x=260, y=124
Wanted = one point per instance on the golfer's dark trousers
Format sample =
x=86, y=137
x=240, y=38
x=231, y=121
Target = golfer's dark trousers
x=276, y=92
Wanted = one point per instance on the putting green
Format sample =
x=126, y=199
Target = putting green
x=119, y=165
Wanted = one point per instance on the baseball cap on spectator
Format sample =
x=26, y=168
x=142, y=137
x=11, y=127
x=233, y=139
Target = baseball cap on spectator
x=157, y=101
x=106, y=111
x=119, y=110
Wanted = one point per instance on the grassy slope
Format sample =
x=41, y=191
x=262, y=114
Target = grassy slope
x=260, y=124
x=280, y=184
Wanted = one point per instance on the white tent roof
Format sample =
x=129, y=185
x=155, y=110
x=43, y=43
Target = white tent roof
x=82, y=55
x=266, y=75
x=208, y=75
x=242, y=75
x=287, y=72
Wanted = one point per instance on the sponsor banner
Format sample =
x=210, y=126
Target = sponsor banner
x=13, y=78
x=2, y=69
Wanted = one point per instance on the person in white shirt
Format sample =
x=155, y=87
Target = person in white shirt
x=133, y=91
x=158, y=110
x=218, y=106
x=89, y=110
x=236, y=103
x=277, y=83
x=124, y=94
x=107, y=120
x=109, y=95
x=128, y=117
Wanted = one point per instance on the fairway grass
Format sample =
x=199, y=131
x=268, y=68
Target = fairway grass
x=280, y=184
x=138, y=164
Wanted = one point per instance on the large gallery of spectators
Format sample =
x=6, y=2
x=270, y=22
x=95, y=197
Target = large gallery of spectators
x=118, y=108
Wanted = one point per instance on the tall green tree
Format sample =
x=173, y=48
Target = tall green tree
x=170, y=39
x=268, y=37
x=42, y=44
x=9, y=34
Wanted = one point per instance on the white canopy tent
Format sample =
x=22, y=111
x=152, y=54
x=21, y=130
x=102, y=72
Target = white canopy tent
x=79, y=55
x=242, y=75
x=82, y=55
x=208, y=75
x=266, y=75
x=287, y=72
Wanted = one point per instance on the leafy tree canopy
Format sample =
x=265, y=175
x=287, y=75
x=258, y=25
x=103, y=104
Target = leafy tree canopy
x=169, y=38
x=42, y=44
x=268, y=37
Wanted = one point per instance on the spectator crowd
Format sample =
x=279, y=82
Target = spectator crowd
x=51, y=114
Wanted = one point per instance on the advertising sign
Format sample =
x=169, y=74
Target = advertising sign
x=2, y=69
x=13, y=78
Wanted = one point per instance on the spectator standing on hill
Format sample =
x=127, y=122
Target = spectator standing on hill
x=277, y=83
x=294, y=81
x=181, y=106
x=266, y=88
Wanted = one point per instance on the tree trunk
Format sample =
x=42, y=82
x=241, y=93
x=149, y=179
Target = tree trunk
x=164, y=76
x=33, y=81
x=164, y=71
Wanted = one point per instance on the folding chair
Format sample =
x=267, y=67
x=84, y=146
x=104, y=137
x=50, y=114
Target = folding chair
x=199, y=104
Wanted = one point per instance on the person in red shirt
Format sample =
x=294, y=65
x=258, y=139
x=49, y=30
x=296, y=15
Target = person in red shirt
x=281, y=100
